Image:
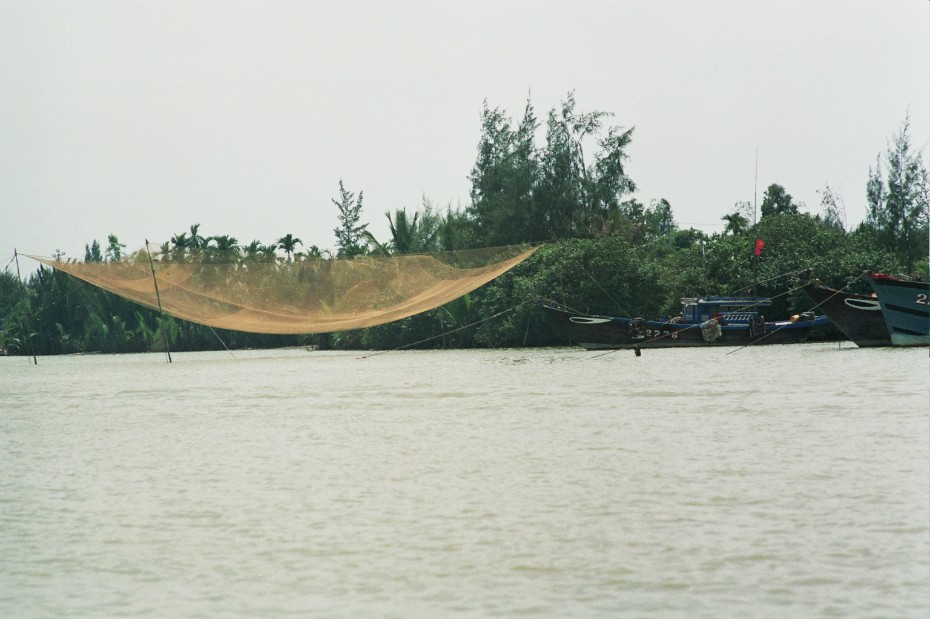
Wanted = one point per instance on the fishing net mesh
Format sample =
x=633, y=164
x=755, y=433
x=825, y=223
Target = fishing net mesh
x=262, y=294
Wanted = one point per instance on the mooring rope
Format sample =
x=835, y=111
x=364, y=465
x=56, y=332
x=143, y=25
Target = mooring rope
x=698, y=325
x=770, y=279
x=221, y=341
x=848, y=284
x=445, y=333
x=604, y=290
x=668, y=335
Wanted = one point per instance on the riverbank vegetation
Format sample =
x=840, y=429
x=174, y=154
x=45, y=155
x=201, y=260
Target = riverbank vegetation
x=603, y=252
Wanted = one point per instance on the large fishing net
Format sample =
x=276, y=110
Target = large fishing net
x=266, y=294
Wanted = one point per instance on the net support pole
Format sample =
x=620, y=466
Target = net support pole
x=158, y=298
x=32, y=346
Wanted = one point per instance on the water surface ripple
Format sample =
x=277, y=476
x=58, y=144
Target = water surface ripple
x=779, y=481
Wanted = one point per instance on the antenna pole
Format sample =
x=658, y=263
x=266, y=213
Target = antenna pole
x=32, y=346
x=755, y=202
x=755, y=190
x=158, y=298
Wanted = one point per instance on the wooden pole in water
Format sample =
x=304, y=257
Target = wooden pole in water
x=158, y=298
x=26, y=296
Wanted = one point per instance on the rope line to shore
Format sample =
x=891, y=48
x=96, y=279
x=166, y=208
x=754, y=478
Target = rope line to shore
x=693, y=326
x=628, y=347
x=445, y=333
x=848, y=284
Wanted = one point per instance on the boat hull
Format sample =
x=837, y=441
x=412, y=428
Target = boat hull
x=906, y=308
x=857, y=316
x=595, y=332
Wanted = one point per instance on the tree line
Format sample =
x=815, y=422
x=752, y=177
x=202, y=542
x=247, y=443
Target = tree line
x=605, y=251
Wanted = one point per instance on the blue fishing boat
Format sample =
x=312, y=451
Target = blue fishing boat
x=704, y=321
x=906, y=308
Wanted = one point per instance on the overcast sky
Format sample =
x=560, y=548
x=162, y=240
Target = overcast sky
x=142, y=118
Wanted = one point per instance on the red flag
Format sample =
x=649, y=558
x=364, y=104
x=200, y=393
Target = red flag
x=759, y=245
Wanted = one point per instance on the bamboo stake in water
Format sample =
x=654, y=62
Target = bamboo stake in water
x=26, y=295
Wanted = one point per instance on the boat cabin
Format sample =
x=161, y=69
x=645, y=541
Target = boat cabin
x=696, y=310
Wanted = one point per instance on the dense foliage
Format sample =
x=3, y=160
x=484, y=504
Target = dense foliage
x=898, y=200
x=603, y=252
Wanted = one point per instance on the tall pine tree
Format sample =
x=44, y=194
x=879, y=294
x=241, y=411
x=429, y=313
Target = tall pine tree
x=898, y=201
x=503, y=179
x=350, y=233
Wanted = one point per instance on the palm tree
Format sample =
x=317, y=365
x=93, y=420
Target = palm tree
x=315, y=252
x=224, y=242
x=256, y=251
x=180, y=241
x=267, y=252
x=196, y=241
x=289, y=243
x=252, y=249
x=225, y=248
x=415, y=235
x=736, y=224
x=376, y=247
x=181, y=245
x=403, y=230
